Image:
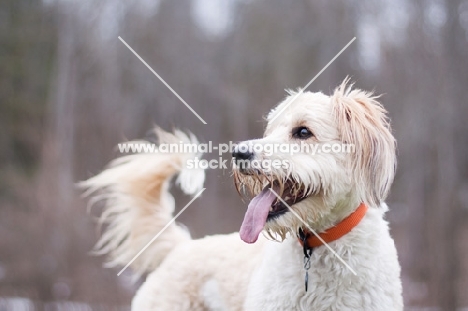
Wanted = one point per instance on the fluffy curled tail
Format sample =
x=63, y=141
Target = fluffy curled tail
x=138, y=204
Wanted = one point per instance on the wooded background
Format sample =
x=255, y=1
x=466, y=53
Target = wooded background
x=70, y=91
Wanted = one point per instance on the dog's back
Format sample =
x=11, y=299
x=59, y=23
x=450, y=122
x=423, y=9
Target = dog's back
x=183, y=274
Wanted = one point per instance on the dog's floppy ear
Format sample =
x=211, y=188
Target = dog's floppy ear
x=363, y=122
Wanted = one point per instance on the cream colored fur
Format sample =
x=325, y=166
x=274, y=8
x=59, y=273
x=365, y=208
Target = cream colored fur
x=138, y=204
x=222, y=272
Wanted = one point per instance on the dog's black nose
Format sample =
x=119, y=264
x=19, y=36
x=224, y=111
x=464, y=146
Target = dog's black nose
x=242, y=153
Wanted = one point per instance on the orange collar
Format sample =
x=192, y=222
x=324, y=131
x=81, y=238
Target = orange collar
x=336, y=232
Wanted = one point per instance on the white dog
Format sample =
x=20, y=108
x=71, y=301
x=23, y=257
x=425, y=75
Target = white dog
x=338, y=195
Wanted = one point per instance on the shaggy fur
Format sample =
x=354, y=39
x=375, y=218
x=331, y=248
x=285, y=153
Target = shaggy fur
x=224, y=273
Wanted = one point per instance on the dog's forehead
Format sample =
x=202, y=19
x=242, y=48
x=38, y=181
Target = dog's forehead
x=299, y=106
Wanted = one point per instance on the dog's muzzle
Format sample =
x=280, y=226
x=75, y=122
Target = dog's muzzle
x=242, y=156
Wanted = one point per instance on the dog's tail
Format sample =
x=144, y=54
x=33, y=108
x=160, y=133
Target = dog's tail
x=138, y=205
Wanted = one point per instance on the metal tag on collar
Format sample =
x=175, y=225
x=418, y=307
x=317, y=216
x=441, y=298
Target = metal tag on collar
x=307, y=253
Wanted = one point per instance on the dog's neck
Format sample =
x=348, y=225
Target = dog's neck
x=329, y=211
x=335, y=232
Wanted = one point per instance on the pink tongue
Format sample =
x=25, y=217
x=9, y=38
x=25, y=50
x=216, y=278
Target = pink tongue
x=256, y=215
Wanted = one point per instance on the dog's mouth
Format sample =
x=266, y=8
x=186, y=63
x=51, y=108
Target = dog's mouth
x=267, y=206
x=289, y=196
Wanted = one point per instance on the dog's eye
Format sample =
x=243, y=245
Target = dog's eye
x=301, y=132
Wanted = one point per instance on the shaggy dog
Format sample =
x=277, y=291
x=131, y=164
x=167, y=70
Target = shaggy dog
x=337, y=196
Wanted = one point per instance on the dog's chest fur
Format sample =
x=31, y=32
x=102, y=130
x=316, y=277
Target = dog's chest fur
x=278, y=283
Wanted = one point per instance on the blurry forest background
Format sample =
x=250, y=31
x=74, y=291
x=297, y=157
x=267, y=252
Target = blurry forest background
x=70, y=91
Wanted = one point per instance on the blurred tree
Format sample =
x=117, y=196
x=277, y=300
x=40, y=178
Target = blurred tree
x=28, y=36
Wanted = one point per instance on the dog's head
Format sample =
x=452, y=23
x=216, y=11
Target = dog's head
x=322, y=155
